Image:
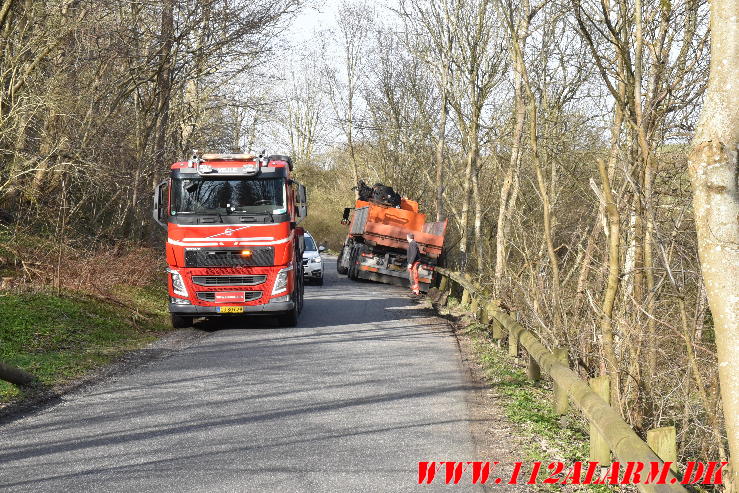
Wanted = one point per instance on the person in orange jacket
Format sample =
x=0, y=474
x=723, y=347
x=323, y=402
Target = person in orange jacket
x=413, y=257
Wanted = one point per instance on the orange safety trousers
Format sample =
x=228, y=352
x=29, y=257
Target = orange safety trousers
x=413, y=275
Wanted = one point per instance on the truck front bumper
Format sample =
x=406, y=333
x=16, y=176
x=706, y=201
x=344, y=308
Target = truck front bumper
x=212, y=311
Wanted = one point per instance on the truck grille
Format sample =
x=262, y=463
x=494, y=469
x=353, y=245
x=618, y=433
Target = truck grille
x=229, y=257
x=228, y=280
x=211, y=296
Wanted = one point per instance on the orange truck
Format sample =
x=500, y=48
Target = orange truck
x=376, y=245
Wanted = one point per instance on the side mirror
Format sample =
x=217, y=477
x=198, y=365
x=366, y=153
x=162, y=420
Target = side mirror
x=302, y=201
x=321, y=249
x=345, y=216
x=161, y=203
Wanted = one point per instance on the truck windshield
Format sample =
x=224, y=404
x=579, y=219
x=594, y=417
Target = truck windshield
x=208, y=195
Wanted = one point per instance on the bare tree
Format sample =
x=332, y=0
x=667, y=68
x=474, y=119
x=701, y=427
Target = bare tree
x=714, y=174
x=354, y=27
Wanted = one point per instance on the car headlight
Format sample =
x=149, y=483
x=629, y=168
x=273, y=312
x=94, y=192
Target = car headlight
x=178, y=283
x=315, y=260
x=281, y=281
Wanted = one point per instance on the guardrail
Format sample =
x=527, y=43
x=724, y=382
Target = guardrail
x=608, y=431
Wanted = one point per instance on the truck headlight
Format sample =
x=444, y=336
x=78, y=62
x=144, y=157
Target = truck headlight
x=316, y=260
x=178, y=284
x=281, y=281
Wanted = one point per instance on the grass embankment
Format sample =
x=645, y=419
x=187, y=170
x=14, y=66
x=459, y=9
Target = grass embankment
x=65, y=310
x=60, y=337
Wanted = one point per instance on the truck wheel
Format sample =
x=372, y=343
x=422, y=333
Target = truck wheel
x=301, y=290
x=181, y=321
x=340, y=268
x=290, y=319
x=353, y=263
x=356, y=259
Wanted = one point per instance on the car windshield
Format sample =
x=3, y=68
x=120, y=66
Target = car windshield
x=208, y=195
x=310, y=245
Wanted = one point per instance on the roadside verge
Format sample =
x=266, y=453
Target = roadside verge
x=72, y=338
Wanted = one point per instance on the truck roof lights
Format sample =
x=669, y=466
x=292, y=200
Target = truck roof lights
x=246, y=253
x=248, y=169
x=228, y=157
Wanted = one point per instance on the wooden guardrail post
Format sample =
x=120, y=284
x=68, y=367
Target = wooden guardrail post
x=560, y=394
x=445, y=290
x=512, y=338
x=465, y=296
x=664, y=443
x=533, y=370
x=486, y=315
x=496, y=329
x=513, y=344
x=497, y=332
x=599, y=450
x=443, y=283
x=473, y=306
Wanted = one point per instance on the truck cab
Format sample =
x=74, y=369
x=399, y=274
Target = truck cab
x=234, y=246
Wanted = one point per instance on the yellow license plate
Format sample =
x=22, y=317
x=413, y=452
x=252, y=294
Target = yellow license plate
x=231, y=309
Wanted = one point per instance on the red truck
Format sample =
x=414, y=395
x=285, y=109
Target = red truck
x=233, y=241
x=375, y=248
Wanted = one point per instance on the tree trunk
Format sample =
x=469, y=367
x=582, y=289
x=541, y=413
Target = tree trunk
x=466, y=202
x=164, y=82
x=609, y=297
x=14, y=375
x=505, y=191
x=480, y=255
x=714, y=172
x=440, y=143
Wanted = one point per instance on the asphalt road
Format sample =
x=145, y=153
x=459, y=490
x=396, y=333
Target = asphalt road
x=367, y=385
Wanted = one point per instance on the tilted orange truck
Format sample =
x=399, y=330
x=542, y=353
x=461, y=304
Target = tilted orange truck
x=375, y=248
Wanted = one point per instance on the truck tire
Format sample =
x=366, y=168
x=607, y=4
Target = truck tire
x=301, y=288
x=181, y=321
x=354, y=261
x=290, y=319
x=340, y=268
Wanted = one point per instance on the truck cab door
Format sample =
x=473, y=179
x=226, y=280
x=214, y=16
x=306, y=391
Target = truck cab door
x=161, y=203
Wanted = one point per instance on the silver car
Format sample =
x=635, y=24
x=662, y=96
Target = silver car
x=312, y=261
